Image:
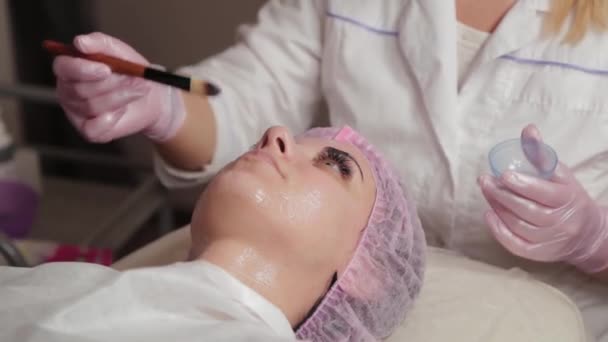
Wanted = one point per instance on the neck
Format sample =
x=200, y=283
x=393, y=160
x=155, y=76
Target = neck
x=482, y=15
x=271, y=276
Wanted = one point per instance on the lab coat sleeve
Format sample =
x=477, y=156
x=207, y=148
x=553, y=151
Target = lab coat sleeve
x=270, y=77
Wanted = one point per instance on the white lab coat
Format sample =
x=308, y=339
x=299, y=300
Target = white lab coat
x=388, y=68
x=193, y=301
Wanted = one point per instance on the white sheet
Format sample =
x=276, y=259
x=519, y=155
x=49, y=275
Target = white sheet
x=462, y=300
x=189, y=301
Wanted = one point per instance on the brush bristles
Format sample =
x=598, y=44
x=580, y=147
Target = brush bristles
x=203, y=88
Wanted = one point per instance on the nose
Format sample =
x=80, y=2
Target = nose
x=278, y=140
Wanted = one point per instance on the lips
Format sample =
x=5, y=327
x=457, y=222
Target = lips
x=268, y=158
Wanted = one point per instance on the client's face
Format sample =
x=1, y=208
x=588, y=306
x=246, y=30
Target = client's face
x=304, y=200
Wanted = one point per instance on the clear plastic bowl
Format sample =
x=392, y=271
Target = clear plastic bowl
x=530, y=158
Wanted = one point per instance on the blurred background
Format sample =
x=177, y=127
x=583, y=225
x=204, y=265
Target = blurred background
x=89, y=197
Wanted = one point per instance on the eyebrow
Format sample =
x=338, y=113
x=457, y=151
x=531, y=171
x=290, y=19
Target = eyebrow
x=347, y=155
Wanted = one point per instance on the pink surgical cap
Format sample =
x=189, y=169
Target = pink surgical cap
x=371, y=298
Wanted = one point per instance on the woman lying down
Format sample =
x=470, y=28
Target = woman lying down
x=309, y=238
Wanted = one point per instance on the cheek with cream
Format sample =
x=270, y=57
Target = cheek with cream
x=289, y=207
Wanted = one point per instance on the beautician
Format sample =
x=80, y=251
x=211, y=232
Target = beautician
x=434, y=84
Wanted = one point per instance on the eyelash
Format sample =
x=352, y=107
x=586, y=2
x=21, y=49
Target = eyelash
x=339, y=158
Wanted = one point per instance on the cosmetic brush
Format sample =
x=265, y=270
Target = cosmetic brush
x=120, y=66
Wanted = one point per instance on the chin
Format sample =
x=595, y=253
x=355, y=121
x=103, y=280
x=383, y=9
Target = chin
x=236, y=194
x=246, y=178
x=238, y=181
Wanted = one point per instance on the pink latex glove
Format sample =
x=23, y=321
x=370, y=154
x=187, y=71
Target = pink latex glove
x=104, y=106
x=547, y=220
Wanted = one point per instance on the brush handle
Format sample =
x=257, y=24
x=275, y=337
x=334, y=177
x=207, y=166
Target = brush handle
x=121, y=66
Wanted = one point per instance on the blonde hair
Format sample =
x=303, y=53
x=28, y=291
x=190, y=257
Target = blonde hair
x=587, y=15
